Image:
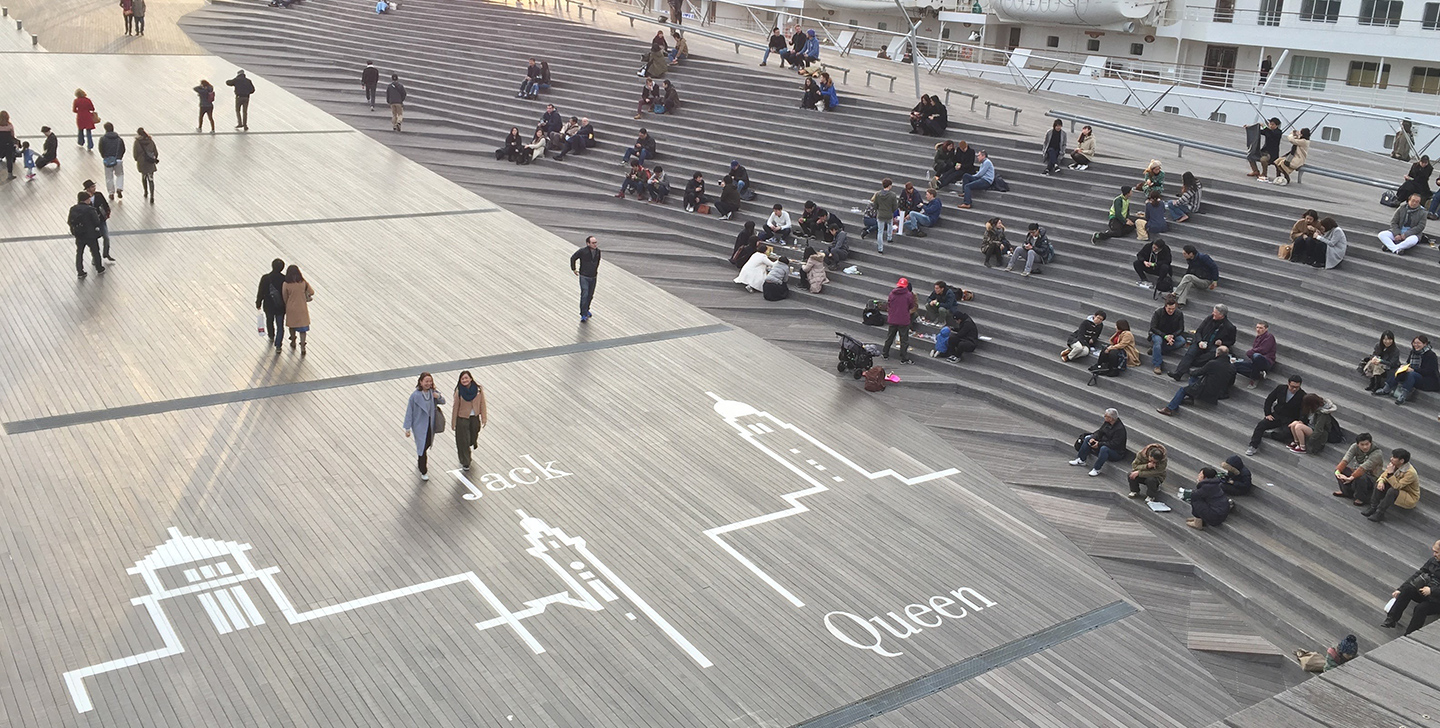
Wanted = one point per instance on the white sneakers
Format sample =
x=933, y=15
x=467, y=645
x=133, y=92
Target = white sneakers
x=424, y=476
x=1093, y=472
x=1077, y=461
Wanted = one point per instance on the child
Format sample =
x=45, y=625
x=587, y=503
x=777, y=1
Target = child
x=29, y=161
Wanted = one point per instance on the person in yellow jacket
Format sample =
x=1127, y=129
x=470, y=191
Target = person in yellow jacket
x=1398, y=485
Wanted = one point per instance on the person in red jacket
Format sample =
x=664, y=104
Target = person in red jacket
x=901, y=308
x=84, y=110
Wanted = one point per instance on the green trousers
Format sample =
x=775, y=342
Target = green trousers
x=467, y=436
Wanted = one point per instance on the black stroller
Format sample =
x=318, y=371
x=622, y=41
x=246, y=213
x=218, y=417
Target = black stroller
x=855, y=356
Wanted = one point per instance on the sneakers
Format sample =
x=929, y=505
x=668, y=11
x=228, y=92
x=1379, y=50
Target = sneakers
x=907, y=360
x=1261, y=178
x=953, y=359
x=1249, y=451
x=1297, y=449
x=1077, y=461
x=424, y=476
x=1095, y=239
x=1093, y=472
x=689, y=209
x=1134, y=494
x=1084, y=167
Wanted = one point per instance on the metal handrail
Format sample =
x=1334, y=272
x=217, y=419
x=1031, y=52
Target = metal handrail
x=870, y=74
x=973, y=97
x=1181, y=143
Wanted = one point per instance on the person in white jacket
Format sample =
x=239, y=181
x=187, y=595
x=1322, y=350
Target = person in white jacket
x=777, y=226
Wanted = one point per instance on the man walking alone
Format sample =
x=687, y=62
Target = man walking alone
x=395, y=96
x=243, y=89
x=85, y=224
x=588, y=259
x=370, y=78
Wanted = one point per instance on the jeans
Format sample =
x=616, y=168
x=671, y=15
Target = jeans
x=1103, y=454
x=767, y=56
x=785, y=234
x=675, y=52
x=80, y=246
x=370, y=95
x=1435, y=204
x=640, y=154
x=632, y=183
x=1158, y=347
x=1030, y=258
x=1175, y=210
x=139, y=25
x=86, y=137
x=587, y=293
x=275, y=327
x=1252, y=367
x=970, y=183
x=884, y=232
x=1425, y=607
x=115, y=177
x=467, y=436
x=1177, y=400
x=1388, y=239
x=1052, y=159
x=1402, y=384
x=903, y=330
x=917, y=220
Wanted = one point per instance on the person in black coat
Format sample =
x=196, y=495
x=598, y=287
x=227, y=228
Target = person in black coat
x=1417, y=181
x=695, y=193
x=1210, y=383
x=270, y=299
x=964, y=336
x=1106, y=443
x=729, y=202
x=49, y=152
x=1281, y=408
x=1153, y=259
x=1083, y=338
x=395, y=97
x=370, y=79
x=936, y=119
x=1216, y=330
x=741, y=177
x=1208, y=503
x=1166, y=333
x=85, y=224
x=1422, y=588
x=1236, y=480
x=244, y=89
x=514, y=146
x=550, y=121
x=643, y=149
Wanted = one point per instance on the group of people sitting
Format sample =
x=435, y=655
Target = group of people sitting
x=1035, y=249
x=802, y=49
x=928, y=117
x=1416, y=182
x=1158, y=213
x=1052, y=147
x=657, y=61
x=537, y=79
x=818, y=93
x=661, y=98
x=551, y=135
x=1319, y=243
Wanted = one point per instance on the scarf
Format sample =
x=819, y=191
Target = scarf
x=1416, y=357
x=468, y=393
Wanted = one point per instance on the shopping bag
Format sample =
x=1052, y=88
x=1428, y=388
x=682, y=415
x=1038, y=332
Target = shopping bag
x=260, y=323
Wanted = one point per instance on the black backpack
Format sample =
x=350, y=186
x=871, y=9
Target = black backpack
x=873, y=316
x=275, y=299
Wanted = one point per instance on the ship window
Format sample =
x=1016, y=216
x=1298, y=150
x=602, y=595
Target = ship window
x=1320, y=11
x=945, y=33
x=1389, y=141
x=1171, y=109
x=1217, y=116
x=1380, y=12
x=1137, y=49
x=1330, y=133
x=1424, y=80
x=1367, y=74
x=1269, y=12
x=1431, y=19
x=1308, y=72
x=1052, y=41
x=1093, y=45
x=880, y=26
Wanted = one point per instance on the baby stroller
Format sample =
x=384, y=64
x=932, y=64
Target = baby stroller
x=855, y=356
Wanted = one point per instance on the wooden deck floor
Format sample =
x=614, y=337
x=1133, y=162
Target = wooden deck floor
x=638, y=555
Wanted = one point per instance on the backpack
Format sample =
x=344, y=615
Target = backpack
x=874, y=379
x=1166, y=284
x=275, y=299
x=210, y=96
x=873, y=316
x=999, y=184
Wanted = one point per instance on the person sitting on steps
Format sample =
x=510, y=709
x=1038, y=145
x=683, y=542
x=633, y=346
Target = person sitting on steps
x=530, y=87
x=1417, y=181
x=1188, y=203
x=1406, y=227
x=681, y=50
x=1120, y=354
x=1080, y=343
x=1215, y=330
x=1084, y=152
x=776, y=44
x=669, y=100
x=1236, y=480
x=1421, y=370
x=1107, y=443
x=942, y=305
x=1209, y=384
x=1358, y=470
x=1153, y=259
x=1260, y=357
x=1299, y=148
x=1035, y=248
x=1422, y=589
x=1147, y=471
x=1153, y=220
x=649, y=94
x=695, y=195
x=658, y=188
x=981, y=180
x=993, y=243
x=1281, y=408
x=636, y=179
x=1382, y=362
x=964, y=337
x=1208, y=503
x=961, y=162
x=644, y=148
x=1119, y=222
x=1398, y=485
x=729, y=202
x=1167, y=332
x=514, y=146
x=1200, y=270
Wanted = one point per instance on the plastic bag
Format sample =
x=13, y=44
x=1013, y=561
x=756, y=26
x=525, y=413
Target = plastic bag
x=260, y=323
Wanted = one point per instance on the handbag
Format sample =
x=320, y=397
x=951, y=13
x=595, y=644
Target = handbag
x=437, y=421
x=703, y=209
x=1286, y=250
x=111, y=161
x=95, y=117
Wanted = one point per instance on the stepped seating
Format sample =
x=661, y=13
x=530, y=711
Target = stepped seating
x=1299, y=562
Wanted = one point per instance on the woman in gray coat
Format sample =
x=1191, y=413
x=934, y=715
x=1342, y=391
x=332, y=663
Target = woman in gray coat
x=419, y=416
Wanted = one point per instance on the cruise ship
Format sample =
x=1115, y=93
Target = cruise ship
x=1350, y=70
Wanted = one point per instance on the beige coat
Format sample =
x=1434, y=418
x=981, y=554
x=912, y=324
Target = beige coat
x=1406, y=481
x=1296, y=160
x=463, y=409
x=814, y=270
x=1086, y=146
x=297, y=303
x=1126, y=343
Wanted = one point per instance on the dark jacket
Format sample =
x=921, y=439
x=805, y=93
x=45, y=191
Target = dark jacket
x=586, y=133
x=1088, y=333
x=206, y=94
x=1216, y=332
x=943, y=300
x=243, y=87
x=730, y=196
x=100, y=204
x=1112, y=435
x=395, y=94
x=966, y=159
x=1427, y=575
x=84, y=221
x=262, y=294
x=1425, y=362
x=1164, y=324
x=111, y=145
x=777, y=42
x=670, y=98
x=550, y=121
x=1209, y=503
x=1212, y=381
x=1236, y=479
x=51, y=146
x=1270, y=142
x=1201, y=266
x=739, y=174
x=588, y=260
x=370, y=77
x=944, y=160
x=964, y=330
x=1282, y=411
x=647, y=143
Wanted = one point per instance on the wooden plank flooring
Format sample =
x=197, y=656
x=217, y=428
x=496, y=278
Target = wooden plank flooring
x=329, y=586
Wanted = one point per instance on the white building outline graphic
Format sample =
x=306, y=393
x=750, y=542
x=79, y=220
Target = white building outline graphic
x=754, y=425
x=216, y=573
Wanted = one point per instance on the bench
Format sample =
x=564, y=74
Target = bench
x=973, y=97
x=871, y=74
x=845, y=72
x=737, y=42
x=991, y=104
x=1181, y=143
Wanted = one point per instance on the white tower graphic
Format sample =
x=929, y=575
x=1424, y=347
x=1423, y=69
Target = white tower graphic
x=216, y=574
x=809, y=459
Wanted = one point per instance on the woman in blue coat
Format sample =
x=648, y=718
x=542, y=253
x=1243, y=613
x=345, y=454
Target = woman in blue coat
x=419, y=416
x=1208, y=504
